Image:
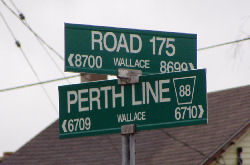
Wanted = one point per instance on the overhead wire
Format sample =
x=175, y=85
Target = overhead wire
x=22, y=18
x=56, y=65
x=182, y=142
x=18, y=44
x=39, y=83
x=59, y=79
x=14, y=6
x=38, y=79
x=8, y=27
x=65, y=78
x=223, y=44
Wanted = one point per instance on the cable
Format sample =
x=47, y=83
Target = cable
x=19, y=45
x=39, y=83
x=200, y=49
x=28, y=85
x=56, y=65
x=38, y=79
x=6, y=24
x=27, y=60
x=184, y=143
x=223, y=44
x=14, y=6
x=41, y=40
x=22, y=18
x=27, y=26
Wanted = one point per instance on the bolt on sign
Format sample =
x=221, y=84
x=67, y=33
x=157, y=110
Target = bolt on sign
x=102, y=50
x=157, y=101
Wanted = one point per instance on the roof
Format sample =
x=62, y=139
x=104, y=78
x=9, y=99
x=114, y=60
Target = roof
x=228, y=116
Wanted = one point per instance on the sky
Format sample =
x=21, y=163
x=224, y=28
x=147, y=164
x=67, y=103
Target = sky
x=27, y=111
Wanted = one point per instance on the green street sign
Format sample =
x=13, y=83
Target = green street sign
x=157, y=101
x=102, y=50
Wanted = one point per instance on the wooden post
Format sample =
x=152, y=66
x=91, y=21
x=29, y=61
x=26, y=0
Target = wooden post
x=92, y=77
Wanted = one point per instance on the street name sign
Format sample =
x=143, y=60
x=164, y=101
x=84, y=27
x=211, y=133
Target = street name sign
x=102, y=50
x=156, y=101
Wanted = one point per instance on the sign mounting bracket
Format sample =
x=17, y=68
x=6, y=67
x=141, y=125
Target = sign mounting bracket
x=128, y=76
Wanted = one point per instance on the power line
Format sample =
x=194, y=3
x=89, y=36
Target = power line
x=200, y=49
x=21, y=18
x=56, y=65
x=41, y=40
x=63, y=78
x=8, y=27
x=27, y=60
x=14, y=6
x=223, y=44
x=38, y=79
x=39, y=83
x=184, y=143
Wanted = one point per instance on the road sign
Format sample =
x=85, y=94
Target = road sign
x=157, y=101
x=102, y=50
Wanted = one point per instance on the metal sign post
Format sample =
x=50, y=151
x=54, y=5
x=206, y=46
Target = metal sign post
x=128, y=144
x=132, y=148
x=126, y=76
x=125, y=150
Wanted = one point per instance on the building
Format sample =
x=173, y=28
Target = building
x=224, y=141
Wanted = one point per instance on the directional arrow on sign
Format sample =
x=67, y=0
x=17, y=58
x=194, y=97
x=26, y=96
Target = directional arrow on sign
x=63, y=126
x=201, y=111
x=70, y=59
x=191, y=66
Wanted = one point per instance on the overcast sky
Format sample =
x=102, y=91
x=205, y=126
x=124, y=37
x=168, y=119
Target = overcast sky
x=26, y=112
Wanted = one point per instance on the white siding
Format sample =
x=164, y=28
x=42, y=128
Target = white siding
x=229, y=157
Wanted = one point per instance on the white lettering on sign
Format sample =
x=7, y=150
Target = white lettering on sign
x=96, y=40
x=122, y=43
x=181, y=112
x=130, y=63
x=81, y=100
x=147, y=91
x=128, y=117
x=99, y=98
x=163, y=90
x=170, y=66
x=115, y=96
x=170, y=48
x=92, y=96
x=117, y=42
x=74, y=125
x=112, y=35
x=77, y=60
x=105, y=89
x=71, y=101
x=96, y=98
x=138, y=38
